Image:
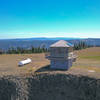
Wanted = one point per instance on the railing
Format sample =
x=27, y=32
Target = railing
x=55, y=56
x=47, y=55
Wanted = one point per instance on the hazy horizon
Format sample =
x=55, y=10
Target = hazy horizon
x=48, y=38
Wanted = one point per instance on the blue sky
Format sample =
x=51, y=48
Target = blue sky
x=49, y=18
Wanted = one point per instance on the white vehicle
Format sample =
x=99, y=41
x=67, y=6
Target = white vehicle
x=24, y=62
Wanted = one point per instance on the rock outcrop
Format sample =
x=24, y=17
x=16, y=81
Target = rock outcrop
x=49, y=87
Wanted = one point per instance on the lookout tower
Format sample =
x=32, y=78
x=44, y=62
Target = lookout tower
x=61, y=55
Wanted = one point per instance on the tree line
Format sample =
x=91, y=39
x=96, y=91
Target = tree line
x=77, y=46
x=20, y=50
x=81, y=45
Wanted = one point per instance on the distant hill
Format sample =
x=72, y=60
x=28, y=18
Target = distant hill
x=39, y=42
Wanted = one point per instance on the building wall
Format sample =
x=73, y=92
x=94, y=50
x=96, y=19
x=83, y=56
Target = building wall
x=61, y=64
x=58, y=52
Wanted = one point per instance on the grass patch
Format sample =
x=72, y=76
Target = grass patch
x=96, y=69
x=91, y=57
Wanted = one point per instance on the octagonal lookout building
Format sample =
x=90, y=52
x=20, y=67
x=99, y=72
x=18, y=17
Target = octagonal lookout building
x=61, y=55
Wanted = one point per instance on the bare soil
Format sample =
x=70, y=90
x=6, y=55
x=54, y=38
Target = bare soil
x=9, y=63
x=87, y=60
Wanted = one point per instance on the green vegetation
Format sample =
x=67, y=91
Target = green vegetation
x=77, y=46
x=91, y=57
x=1, y=52
x=80, y=45
x=19, y=50
x=96, y=69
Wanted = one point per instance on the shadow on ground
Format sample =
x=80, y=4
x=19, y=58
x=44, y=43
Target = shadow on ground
x=7, y=89
x=63, y=87
x=48, y=69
